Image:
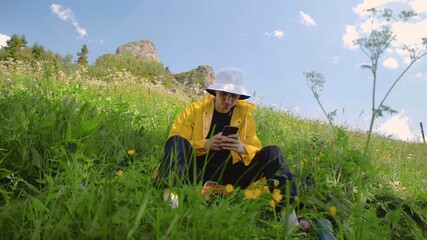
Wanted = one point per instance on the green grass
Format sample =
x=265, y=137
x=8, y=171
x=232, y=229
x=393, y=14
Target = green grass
x=64, y=138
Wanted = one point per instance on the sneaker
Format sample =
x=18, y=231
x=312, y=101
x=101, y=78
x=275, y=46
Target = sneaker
x=291, y=220
x=325, y=230
x=211, y=188
x=170, y=197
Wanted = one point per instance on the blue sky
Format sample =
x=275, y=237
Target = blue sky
x=273, y=42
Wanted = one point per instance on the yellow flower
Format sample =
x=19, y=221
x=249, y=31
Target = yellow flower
x=249, y=194
x=272, y=203
x=296, y=198
x=252, y=193
x=301, y=163
x=120, y=173
x=257, y=192
x=277, y=195
x=333, y=210
x=305, y=160
x=131, y=152
x=229, y=188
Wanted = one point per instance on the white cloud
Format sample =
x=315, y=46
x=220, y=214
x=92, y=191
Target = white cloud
x=419, y=6
x=368, y=4
x=3, y=39
x=67, y=15
x=276, y=33
x=306, y=19
x=336, y=59
x=421, y=75
x=408, y=33
x=390, y=63
x=349, y=36
x=397, y=126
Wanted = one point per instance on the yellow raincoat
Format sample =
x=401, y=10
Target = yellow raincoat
x=195, y=121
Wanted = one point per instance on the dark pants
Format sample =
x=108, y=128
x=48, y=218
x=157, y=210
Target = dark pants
x=180, y=166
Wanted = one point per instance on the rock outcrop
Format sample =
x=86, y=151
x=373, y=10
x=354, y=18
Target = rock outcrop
x=193, y=82
x=141, y=49
x=203, y=76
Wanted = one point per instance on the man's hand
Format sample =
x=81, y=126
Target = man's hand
x=232, y=143
x=214, y=143
x=219, y=142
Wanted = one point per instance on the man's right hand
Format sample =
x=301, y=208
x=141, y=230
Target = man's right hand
x=214, y=143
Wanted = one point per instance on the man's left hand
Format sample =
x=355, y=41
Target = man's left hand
x=232, y=143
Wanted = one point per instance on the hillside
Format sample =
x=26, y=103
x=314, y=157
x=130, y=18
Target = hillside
x=78, y=149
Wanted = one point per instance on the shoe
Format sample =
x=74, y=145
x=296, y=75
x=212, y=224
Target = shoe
x=325, y=230
x=291, y=220
x=171, y=197
x=211, y=188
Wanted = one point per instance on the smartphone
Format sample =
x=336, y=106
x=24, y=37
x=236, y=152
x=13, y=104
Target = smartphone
x=228, y=130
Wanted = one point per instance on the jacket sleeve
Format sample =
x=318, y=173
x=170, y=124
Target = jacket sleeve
x=184, y=127
x=250, y=141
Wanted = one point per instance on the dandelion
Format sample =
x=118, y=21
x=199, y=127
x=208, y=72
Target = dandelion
x=333, y=210
x=252, y=193
x=120, y=173
x=277, y=195
x=272, y=203
x=229, y=188
x=249, y=194
x=131, y=152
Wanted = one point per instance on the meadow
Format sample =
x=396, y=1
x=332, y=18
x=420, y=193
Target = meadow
x=77, y=154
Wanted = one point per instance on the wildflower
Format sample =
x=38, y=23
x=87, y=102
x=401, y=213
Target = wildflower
x=301, y=163
x=304, y=225
x=252, y=193
x=296, y=198
x=272, y=203
x=277, y=195
x=333, y=210
x=229, y=188
x=305, y=160
x=120, y=173
x=131, y=152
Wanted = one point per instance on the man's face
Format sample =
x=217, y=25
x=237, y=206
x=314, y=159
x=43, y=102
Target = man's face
x=225, y=101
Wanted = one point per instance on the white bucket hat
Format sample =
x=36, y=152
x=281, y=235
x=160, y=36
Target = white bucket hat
x=229, y=80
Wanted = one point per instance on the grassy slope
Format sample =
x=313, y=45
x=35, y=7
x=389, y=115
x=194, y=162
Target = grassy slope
x=72, y=131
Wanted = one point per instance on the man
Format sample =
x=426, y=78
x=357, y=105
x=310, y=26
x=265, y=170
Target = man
x=198, y=151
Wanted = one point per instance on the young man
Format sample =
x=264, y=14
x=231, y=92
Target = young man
x=198, y=151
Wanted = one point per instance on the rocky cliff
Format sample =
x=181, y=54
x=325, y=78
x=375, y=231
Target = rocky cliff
x=141, y=49
x=192, y=82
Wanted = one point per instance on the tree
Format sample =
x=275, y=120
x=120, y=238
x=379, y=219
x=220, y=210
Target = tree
x=14, y=45
x=38, y=51
x=82, y=59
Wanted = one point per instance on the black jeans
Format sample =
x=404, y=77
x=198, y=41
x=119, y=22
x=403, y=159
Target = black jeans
x=181, y=166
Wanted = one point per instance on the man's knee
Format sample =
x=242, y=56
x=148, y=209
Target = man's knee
x=274, y=153
x=176, y=139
